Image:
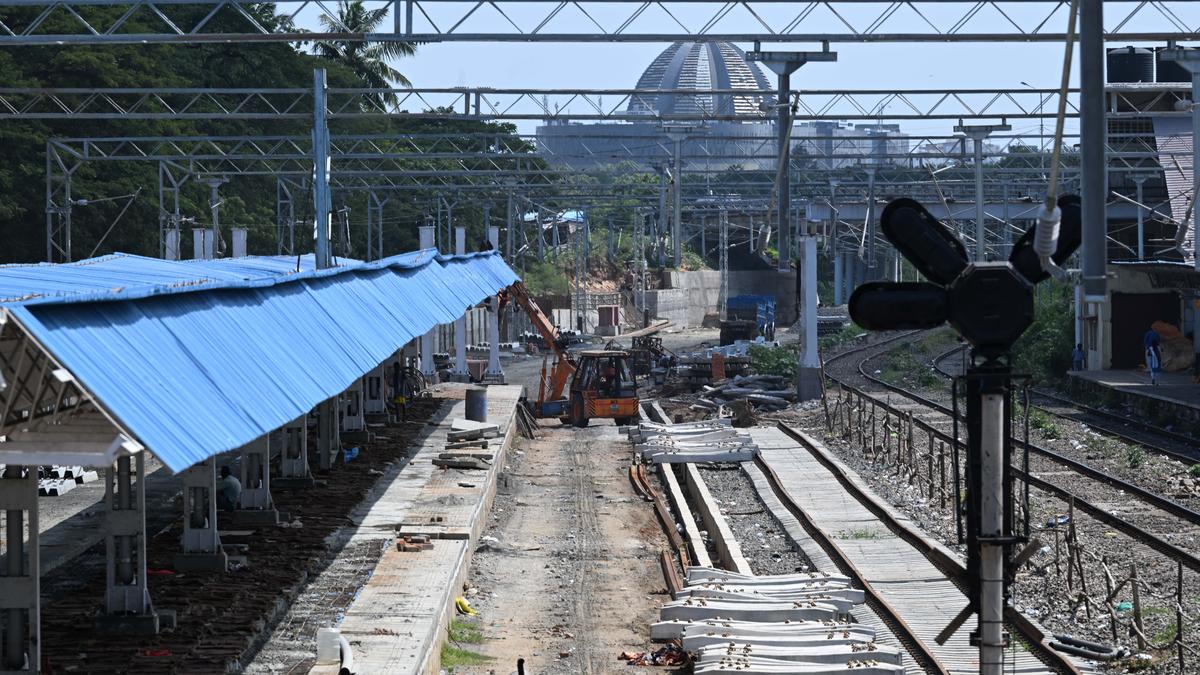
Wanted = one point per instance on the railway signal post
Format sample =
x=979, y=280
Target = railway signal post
x=990, y=305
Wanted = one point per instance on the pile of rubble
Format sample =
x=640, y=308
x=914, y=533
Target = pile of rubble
x=765, y=392
x=736, y=623
x=467, y=445
x=706, y=441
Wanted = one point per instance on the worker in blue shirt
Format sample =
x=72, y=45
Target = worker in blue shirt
x=229, y=490
x=1153, y=356
x=1077, y=358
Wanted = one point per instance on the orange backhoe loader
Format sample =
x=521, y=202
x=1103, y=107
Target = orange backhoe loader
x=601, y=383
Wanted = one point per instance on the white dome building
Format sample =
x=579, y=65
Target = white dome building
x=683, y=65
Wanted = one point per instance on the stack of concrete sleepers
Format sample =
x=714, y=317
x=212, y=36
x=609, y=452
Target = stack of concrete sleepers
x=692, y=442
x=793, y=623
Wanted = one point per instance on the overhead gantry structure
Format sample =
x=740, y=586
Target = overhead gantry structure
x=428, y=21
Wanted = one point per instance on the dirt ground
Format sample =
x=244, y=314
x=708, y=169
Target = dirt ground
x=570, y=577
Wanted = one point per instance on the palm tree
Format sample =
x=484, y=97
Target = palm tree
x=368, y=60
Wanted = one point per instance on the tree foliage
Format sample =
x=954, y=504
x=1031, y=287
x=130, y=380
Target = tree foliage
x=248, y=201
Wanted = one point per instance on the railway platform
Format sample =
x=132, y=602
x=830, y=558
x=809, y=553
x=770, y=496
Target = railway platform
x=404, y=598
x=1175, y=397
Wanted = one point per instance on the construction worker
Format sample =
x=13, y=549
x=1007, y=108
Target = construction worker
x=229, y=490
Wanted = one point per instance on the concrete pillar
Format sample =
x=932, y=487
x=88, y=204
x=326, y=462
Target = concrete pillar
x=351, y=409
x=425, y=235
x=202, y=550
x=202, y=243
x=171, y=244
x=855, y=278
x=20, y=602
x=329, y=441
x=238, y=243
x=127, y=607
x=255, y=505
x=460, y=324
x=808, y=371
x=293, y=456
x=837, y=278
x=374, y=396
x=494, y=373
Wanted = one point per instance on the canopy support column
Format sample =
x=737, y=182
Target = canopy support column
x=461, y=373
x=127, y=606
x=351, y=405
x=494, y=374
x=255, y=505
x=202, y=550
x=293, y=458
x=374, y=396
x=426, y=234
x=328, y=440
x=20, y=587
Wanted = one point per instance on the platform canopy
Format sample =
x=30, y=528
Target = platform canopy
x=189, y=359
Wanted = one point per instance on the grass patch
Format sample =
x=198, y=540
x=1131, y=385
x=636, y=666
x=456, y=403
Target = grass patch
x=466, y=632
x=463, y=632
x=1167, y=634
x=1136, y=456
x=456, y=657
x=901, y=368
x=859, y=534
x=766, y=360
x=939, y=341
x=849, y=333
x=1045, y=423
x=1194, y=469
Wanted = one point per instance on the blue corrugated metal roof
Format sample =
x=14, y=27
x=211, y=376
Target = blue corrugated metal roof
x=122, y=276
x=212, y=357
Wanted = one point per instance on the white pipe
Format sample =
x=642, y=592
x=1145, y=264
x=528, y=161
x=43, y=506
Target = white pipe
x=347, y=654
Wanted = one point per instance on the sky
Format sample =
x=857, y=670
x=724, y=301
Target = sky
x=859, y=65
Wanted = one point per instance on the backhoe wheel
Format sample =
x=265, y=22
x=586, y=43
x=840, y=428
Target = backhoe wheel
x=578, y=416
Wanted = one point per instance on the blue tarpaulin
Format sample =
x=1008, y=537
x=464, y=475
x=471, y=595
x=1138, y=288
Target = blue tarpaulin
x=197, y=358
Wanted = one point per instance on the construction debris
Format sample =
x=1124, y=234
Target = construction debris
x=671, y=655
x=467, y=430
x=769, y=392
x=738, y=623
x=691, y=442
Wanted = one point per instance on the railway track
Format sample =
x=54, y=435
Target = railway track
x=1142, y=532
x=1177, y=446
x=912, y=604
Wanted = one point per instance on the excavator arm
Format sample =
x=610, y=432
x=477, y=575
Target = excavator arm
x=552, y=385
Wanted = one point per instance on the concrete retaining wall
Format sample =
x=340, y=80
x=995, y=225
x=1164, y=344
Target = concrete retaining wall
x=689, y=296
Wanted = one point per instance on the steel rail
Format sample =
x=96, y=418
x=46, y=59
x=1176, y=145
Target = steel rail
x=1105, y=429
x=1117, y=523
x=933, y=552
x=915, y=646
x=1152, y=498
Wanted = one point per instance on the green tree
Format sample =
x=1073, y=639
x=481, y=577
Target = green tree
x=369, y=61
